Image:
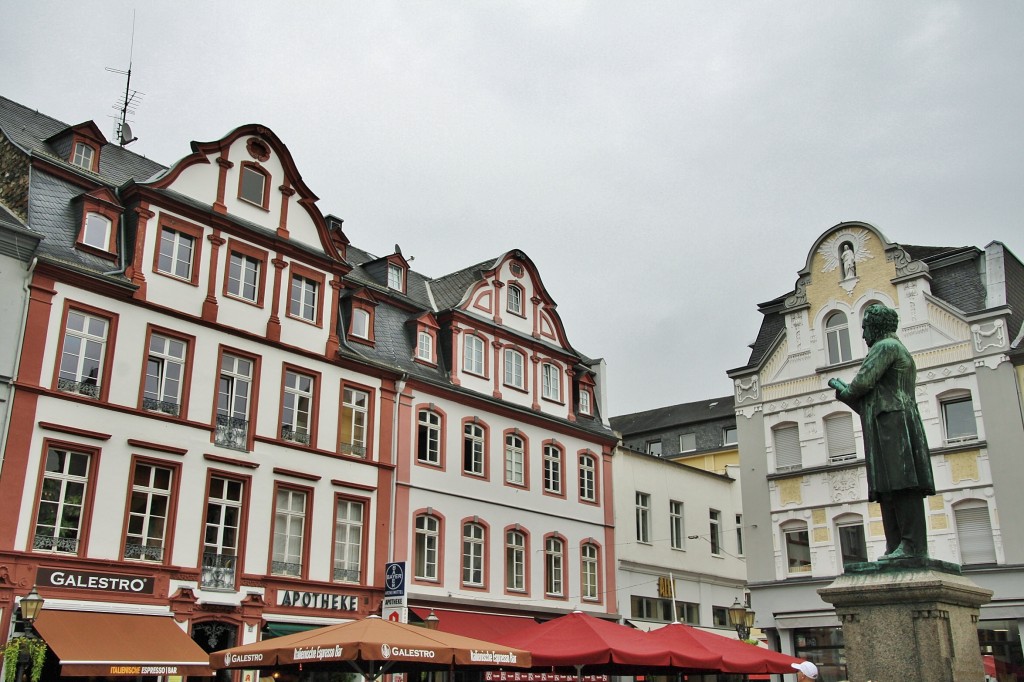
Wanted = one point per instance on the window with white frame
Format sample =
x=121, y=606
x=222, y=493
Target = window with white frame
x=360, y=323
x=551, y=385
x=653, y=447
x=786, y=439
x=687, y=442
x=253, y=186
x=473, y=554
x=289, y=532
x=554, y=562
x=589, y=588
x=348, y=540
x=798, y=547
x=354, y=412
x=974, y=533
x=473, y=449
x=83, y=156
x=428, y=440
x=425, y=346
x=552, y=469
x=148, y=512
x=515, y=299
x=729, y=435
x=297, y=407
x=62, y=501
x=220, y=533
x=165, y=371
x=585, y=401
x=588, y=478
x=396, y=277
x=839, y=437
x=837, y=338
x=177, y=250
x=515, y=459
x=514, y=363
x=715, y=530
x=473, y=354
x=853, y=548
x=643, y=517
x=233, y=402
x=676, y=525
x=515, y=561
x=97, y=231
x=244, y=276
x=427, y=537
x=304, y=300
x=739, y=534
x=958, y=419
x=82, y=354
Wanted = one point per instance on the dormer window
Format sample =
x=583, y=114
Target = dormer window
x=83, y=156
x=396, y=277
x=254, y=185
x=425, y=347
x=515, y=299
x=96, y=232
x=584, y=401
x=360, y=323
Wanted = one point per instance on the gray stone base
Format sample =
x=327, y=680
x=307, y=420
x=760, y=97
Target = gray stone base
x=909, y=623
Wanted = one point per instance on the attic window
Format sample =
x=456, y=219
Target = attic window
x=516, y=269
x=396, y=277
x=83, y=156
x=253, y=185
x=97, y=231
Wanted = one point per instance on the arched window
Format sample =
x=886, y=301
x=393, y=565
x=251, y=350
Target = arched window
x=473, y=354
x=589, y=588
x=515, y=299
x=473, y=554
x=588, y=478
x=552, y=469
x=837, y=337
x=474, y=449
x=515, y=460
x=515, y=561
x=974, y=533
x=552, y=381
x=514, y=363
x=427, y=541
x=360, y=323
x=428, y=438
x=554, y=566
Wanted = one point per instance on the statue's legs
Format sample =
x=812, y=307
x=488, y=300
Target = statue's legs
x=903, y=518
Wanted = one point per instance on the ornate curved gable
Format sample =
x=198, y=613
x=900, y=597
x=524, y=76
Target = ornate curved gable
x=250, y=174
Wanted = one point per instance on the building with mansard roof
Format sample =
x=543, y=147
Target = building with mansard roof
x=226, y=416
x=804, y=486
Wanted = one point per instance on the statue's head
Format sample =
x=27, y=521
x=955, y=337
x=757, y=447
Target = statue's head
x=879, y=322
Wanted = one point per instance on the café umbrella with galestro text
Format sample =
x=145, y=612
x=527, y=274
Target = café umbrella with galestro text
x=372, y=647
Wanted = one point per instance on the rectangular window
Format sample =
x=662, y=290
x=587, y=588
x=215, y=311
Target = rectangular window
x=426, y=547
x=649, y=608
x=62, y=501
x=552, y=470
x=354, y=413
x=297, y=407
x=729, y=435
x=677, y=529
x=515, y=561
x=165, y=372
x=553, y=564
x=514, y=368
x=360, y=323
x=425, y=346
x=853, y=548
x=687, y=442
x=515, y=299
x=588, y=572
x=220, y=541
x=798, y=549
x=82, y=354
x=515, y=472
x=304, y=300
x=958, y=419
x=83, y=156
x=148, y=512
x=396, y=277
x=473, y=354
x=289, y=532
x=244, y=276
x=473, y=450
x=720, y=616
x=715, y=530
x=97, y=231
x=348, y=541
x=739, y=534
x=688, y=612
x=653, y=447
x=551, y=385
x=787, y=447
x=584, y=401
x=473, y=555
x=974, y=533
x=643, y=517
x=839, y=437
x=233, y=402
x=253, y=185
x=588, y=478
x=428, y=444
x=176, y=253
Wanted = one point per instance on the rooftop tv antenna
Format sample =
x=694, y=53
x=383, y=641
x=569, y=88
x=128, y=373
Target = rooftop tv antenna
x=132, y=98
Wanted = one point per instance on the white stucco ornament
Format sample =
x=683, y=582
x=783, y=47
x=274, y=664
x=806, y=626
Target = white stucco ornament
x=844, y=250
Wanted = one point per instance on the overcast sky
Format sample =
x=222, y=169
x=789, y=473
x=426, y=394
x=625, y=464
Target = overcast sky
x=667, y=165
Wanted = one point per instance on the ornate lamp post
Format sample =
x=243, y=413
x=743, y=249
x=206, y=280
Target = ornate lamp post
x=741, y=618
x=431, y=621
x=31, y=604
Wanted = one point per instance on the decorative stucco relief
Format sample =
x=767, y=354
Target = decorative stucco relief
x=747, y=389
x=905, y=265
x=963, y=466
x=843, y=485
x=799, y=296
x=789, y=491
x=938, y=521
x=988, y=335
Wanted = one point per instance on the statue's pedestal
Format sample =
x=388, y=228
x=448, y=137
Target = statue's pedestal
x=909, y=620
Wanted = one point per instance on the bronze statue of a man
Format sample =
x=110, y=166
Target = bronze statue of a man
x=898, y=463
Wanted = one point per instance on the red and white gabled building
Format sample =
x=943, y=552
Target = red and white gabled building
x=226, y=414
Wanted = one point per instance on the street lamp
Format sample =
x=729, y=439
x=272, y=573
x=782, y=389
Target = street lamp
x=741, y=618
x=431, y=621
x=31, y=604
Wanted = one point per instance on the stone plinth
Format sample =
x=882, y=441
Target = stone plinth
x=909, y=621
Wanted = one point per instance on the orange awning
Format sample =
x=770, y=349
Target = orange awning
x=117, y=644
x=489, y=626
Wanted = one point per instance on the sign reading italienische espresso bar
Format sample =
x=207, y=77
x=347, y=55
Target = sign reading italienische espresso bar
x=318, y=600
x=96, y=582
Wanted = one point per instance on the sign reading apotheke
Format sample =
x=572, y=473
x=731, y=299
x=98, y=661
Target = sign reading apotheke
x=96, y=582
x=318, y=600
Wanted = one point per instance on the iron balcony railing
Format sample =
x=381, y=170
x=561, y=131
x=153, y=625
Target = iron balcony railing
x=165, y=406
x=69, y=545
x=294, y=435
x=135, y=550
x=218, y=572
x=232, y=432
x=87, y=387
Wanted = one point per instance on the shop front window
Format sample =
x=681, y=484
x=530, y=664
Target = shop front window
x=824, y=648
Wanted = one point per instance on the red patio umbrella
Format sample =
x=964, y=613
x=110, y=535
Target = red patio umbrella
x=736, y=656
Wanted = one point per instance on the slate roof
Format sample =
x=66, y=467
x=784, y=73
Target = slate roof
x=449, y=289
x=675, y=415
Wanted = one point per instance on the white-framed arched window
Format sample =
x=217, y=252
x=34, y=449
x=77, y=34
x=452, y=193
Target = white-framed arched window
x=837, y=338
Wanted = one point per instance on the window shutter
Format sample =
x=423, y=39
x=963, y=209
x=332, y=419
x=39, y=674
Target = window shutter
x=787, y=448
x=974, y=530
x=839, y=435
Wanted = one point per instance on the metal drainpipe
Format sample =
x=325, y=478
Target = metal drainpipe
x=120, y=239
x=399, y=385
x=17, y=361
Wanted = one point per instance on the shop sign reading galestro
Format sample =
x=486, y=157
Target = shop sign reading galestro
x=98, y=582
